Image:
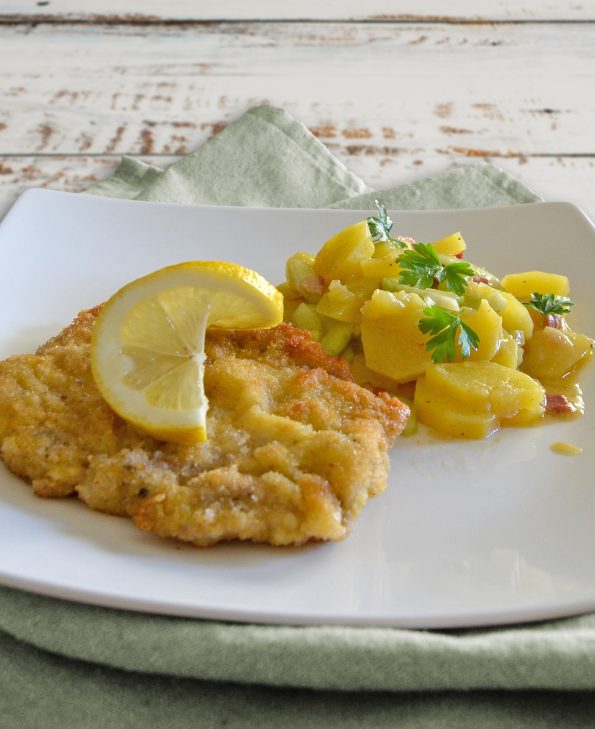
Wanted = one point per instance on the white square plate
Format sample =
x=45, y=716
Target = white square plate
x=467, y=533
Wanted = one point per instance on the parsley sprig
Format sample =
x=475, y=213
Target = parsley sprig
x=549, y=304
x=447, y=330
x=421, y=267
x=381, y=226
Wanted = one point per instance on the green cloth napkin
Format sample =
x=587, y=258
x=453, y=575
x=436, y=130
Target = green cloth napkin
x=66, y=665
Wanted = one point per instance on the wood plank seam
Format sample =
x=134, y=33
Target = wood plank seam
x=476, y=153
x=153, y=21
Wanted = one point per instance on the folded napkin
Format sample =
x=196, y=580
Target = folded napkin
x=66, y=665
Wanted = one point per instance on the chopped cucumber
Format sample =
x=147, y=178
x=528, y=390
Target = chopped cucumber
x=336, y=338
x=476, y=292
x=497, y=302
x=472, y=296
x=305, y=317
x=444, y=299
x=489, y=277
x=288, y=292
x=348, y=353
x=391, y=283
x=298, y=270
x=432, y=297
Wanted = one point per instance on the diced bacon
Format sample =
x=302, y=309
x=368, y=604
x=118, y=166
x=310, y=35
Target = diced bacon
x=555, y=321
x=480, y=279
x=460, y=255
x=313, y=285
x=558, y=405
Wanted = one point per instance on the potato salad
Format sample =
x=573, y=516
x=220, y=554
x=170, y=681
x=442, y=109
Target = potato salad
x=468, y=352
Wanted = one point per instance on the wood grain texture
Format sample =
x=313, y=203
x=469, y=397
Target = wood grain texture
x=380, y=90
x=392, y=97
x=553, y=178
x=188, y=10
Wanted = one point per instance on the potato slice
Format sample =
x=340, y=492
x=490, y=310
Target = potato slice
x=435, y=409
x=393, y=344
x=522, y=285
x=385, y=249
x=378, y=268
x=340, y=257
x=340, y=303
x=514, y=315
x=452, y=245
x=488, y=326
x=509, y=353
x=471, y=399
x=552, y=354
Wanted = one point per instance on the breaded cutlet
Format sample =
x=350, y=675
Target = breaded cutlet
x=295, y=447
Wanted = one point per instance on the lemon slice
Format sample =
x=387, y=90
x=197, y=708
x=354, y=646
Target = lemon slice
x=147, y=352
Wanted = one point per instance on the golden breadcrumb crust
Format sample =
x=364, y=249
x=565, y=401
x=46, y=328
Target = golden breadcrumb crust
x=295, y=447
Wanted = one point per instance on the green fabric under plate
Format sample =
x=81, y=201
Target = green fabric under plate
x=66, y=665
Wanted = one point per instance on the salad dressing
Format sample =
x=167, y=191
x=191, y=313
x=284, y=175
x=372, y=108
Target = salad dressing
x=566, y=449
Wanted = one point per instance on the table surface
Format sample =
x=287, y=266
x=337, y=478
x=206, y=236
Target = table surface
x=395, y=88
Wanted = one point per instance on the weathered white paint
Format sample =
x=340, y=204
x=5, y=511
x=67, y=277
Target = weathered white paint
x=570, y=179
x=394, y=100
x=151, y=10
x=381, y=90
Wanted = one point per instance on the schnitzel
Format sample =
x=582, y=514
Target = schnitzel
x=295, y=446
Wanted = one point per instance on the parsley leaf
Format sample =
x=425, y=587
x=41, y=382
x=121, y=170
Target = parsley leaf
x=549, y=304
x=381, y=226
x=468, y=339
x=455, y=275
x=421, y=266
x=445, y=326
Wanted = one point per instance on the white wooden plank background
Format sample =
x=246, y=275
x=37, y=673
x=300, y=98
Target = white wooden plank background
x=441, y=10
x=394, y=99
